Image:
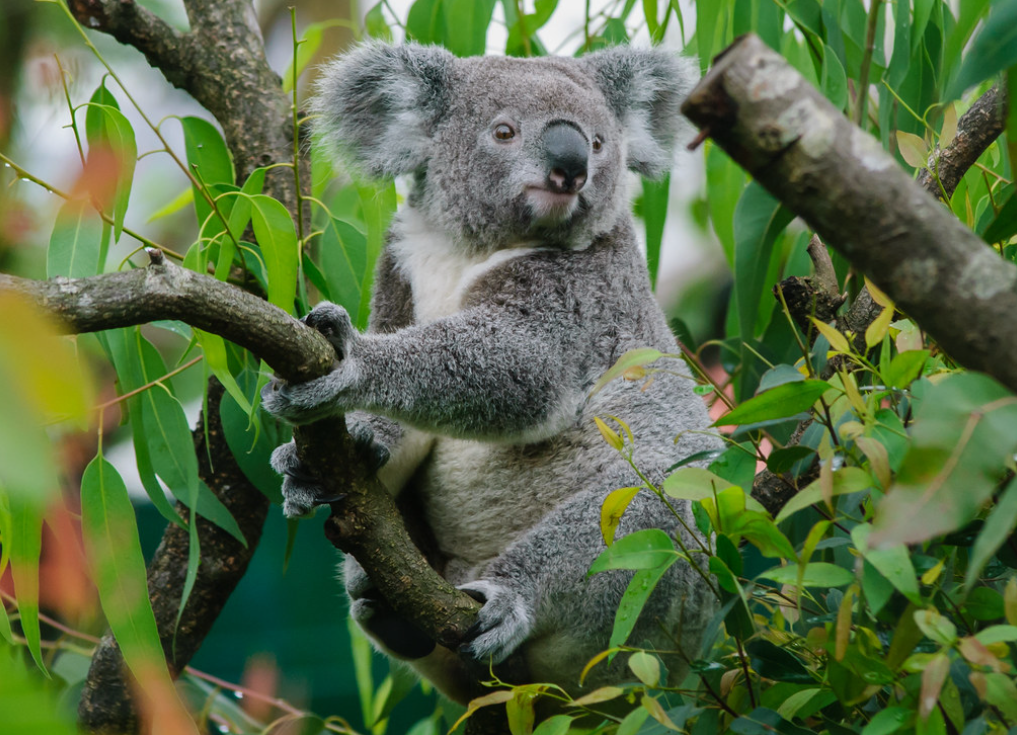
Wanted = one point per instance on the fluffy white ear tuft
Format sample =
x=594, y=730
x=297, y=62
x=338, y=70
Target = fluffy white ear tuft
x=377, y=106
x=645, y=88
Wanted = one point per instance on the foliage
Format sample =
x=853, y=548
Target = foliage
x=881, y=599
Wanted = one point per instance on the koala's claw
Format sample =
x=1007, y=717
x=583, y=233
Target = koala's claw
x=302, y=493
x=502, y=624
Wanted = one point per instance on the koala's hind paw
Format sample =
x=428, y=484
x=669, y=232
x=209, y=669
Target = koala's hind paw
x=302, y=493
x=502, y=624
x=392, y=631
x=362, y=434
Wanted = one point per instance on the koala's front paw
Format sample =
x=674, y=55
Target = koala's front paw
x=334, y=324
x=502, y=624
x=302, y=493
x=303, y=403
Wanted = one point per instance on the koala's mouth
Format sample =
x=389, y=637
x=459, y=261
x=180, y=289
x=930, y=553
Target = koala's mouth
x=550, y=207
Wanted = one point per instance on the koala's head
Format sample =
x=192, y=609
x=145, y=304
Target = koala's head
x=506, y=150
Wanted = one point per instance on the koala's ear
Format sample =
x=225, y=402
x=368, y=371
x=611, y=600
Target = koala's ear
x=377, y=106
x=645, y=88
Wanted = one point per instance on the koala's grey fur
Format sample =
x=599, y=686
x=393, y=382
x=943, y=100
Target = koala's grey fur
x=496, y=308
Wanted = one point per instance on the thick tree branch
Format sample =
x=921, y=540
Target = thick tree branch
x=166, y=291
x=836, y=177
x=365, y=521
x=134, y=25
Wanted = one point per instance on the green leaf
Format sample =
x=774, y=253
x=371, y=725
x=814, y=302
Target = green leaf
x=425, y=23
x=762, y=721
x=817, y=574
x=936, y=627
x=178, y=202
x=76, y=242
x=647, y=549
x=214, y=348
x=646, y=667
x=375, y=24
x=639, y=357
x=724, y=183
x=277, y=239
x=118, y=568
x=778, y=375
x=695, y=483
x=466, y=23
x=27, y=705
x=997, y=634
x=780, y=461
x=905, y=368
x=1004, y=225
x=557, y=725
x=997, y=529
x=634, y=599
x=845, y=480
x=25, y=544
x=783, y=401
x=773, y=662
x=834, y=80
x=913, y=149
x=107, y=128
x=758, y=220
x=893, y=562
x=344, y=265
x=208, y=160
x=971, y=11
x=992, y=50
x=654, y=212
x=964, y=430
x=252, y=449
x=888, y=721
x=984, y=603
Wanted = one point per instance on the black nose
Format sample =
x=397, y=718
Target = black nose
x=566, y=150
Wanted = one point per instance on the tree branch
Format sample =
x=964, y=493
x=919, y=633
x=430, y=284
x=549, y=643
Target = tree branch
x=365, y=521
x=784, y=133
x=166, y=291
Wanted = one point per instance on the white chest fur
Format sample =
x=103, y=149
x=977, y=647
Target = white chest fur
x=438, y=270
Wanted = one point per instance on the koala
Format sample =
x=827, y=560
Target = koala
x=511, y=280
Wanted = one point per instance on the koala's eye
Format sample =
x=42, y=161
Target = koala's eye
x=504, y=132
x=598, y=143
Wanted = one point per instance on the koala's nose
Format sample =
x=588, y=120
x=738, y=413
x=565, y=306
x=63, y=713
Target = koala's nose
x=567, y=155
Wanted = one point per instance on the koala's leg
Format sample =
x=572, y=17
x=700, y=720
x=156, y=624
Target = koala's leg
x=537, y=593
x=396, y=636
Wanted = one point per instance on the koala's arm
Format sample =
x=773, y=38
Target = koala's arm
x=487, y=372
